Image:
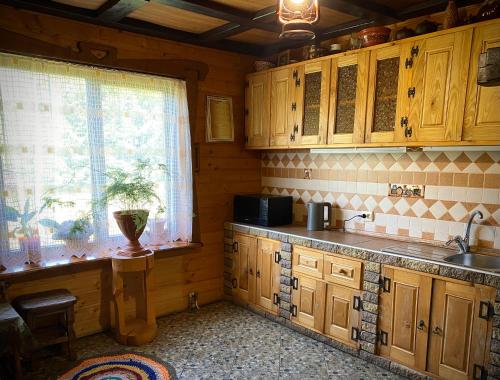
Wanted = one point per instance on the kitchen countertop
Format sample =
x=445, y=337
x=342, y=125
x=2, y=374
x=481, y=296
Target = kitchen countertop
x=412, y=250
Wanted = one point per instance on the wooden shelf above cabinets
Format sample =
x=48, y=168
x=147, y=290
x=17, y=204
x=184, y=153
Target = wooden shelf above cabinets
x=421, y=91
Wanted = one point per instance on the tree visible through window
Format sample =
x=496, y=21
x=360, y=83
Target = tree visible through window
x=62, y=127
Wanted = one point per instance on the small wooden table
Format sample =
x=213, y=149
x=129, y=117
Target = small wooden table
x=59, y=304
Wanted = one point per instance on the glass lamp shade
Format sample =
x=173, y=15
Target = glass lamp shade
x=298, y=11
x=297, y=17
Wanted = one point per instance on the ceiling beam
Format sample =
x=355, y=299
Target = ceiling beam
x=130, y=25
x=362, y=9
x=230, y=29
x=220, y=11
x=116, y=10
x=431, y=6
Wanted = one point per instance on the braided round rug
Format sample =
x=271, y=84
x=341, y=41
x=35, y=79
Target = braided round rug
x=126, y=366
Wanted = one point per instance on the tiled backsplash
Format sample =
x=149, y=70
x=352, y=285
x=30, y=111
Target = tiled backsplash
x=456, y=183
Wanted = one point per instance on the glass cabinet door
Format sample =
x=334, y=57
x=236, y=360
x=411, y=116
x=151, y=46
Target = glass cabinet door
x=348, y=91
x=311, y=121
x=385, y=87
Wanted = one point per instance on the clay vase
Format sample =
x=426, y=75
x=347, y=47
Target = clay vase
x=451, y=18
x=125, y=221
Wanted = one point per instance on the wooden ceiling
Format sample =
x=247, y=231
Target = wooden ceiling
x=236, y=25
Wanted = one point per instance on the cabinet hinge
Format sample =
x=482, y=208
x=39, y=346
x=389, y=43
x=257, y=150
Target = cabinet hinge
x=356, y=303
x=408, y=63
x=354, y=334
x=382, y=337
x=295, y=74
x=294, y=283
x=411, y=92
x=277, y=257
x=385, y=284
x=486, y=310
x=408, y=132
x=276, y=299
x=297, y=82
x=292, y=137
x=404, y=121
x=479, y=372
x=294, y=106
x=293, y=310
x=235, y=246
x=414, y=51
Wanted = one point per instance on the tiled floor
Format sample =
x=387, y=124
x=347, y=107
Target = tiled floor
x=223, y=341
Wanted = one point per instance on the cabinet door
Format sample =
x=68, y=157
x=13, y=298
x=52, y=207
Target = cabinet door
x=457, y=333
x=311, y=122
x=282, y=118
x=348, y=90
x=387, y=85
x=404, y=316
x=257, y=110
x=482, y=112
x=308, y=302
x=267, y=274
x=244, y=268
x=343, y=318
x=439, y=82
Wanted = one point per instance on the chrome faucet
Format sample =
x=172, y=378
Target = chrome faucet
x=463, y=242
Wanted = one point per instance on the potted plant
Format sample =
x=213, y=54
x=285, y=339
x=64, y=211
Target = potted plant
x=74, y=233
x=27, y=235
x=133, y=191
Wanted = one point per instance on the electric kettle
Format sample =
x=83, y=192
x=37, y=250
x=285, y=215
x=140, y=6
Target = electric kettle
x=316, y=215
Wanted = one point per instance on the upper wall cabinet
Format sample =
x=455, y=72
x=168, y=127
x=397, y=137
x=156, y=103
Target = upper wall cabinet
x=282, y=106
x=482, y=111
x=348, y=89
x=438, y=68
x=386, y=86
x=311, y=116
x=257, y=110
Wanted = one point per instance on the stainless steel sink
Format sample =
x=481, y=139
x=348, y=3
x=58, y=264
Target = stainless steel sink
x=475, y=260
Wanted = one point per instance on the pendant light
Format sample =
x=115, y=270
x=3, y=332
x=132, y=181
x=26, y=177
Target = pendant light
x=297, y=17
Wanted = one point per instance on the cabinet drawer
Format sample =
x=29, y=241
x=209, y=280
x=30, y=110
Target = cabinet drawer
x=307, y=261
x=339, y=270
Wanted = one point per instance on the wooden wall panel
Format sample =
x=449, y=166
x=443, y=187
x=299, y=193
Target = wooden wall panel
x=226, y=168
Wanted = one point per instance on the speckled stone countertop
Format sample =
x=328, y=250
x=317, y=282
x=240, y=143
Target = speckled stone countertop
x=415, y=251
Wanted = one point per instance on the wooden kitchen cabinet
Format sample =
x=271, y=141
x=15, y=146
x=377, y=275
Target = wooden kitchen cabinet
x=256, y=271
x=282, y=106
x=482, y=110
x=387, y=85
x=257, y=110
x=343, y=317
x=244, y=249
x=308, y=308
x=433, y=324
x=438, y=68
x=312, y=101
x=348, y=91
x=458, y=335
x=267, y=274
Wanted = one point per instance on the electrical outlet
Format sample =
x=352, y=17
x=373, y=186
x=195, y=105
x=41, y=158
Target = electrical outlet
x=370, y=216
x=308, y=173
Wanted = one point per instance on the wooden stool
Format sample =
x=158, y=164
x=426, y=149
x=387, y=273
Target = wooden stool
x=135, y=331
x=37, y=307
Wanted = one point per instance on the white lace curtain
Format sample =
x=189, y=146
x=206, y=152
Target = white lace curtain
x=62, y=127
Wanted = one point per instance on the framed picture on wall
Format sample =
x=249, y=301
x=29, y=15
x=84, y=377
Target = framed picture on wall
x=220, y=124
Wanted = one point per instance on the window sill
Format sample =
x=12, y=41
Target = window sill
x=73, y=264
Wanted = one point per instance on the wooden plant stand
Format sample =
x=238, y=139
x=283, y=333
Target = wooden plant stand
x=136, y=331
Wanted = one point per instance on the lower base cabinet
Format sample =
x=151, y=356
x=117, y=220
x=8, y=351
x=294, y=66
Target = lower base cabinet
x=256, y=271
x=435, y=325
x=330, y=309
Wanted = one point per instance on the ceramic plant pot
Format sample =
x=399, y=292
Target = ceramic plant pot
x=126, y=221
x=31, y=247
x=374, y=35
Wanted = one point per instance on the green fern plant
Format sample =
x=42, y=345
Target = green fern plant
x=133, y=190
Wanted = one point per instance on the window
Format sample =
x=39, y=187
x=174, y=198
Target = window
x=63, y=126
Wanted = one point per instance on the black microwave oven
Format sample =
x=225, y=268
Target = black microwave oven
x=263, y=210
